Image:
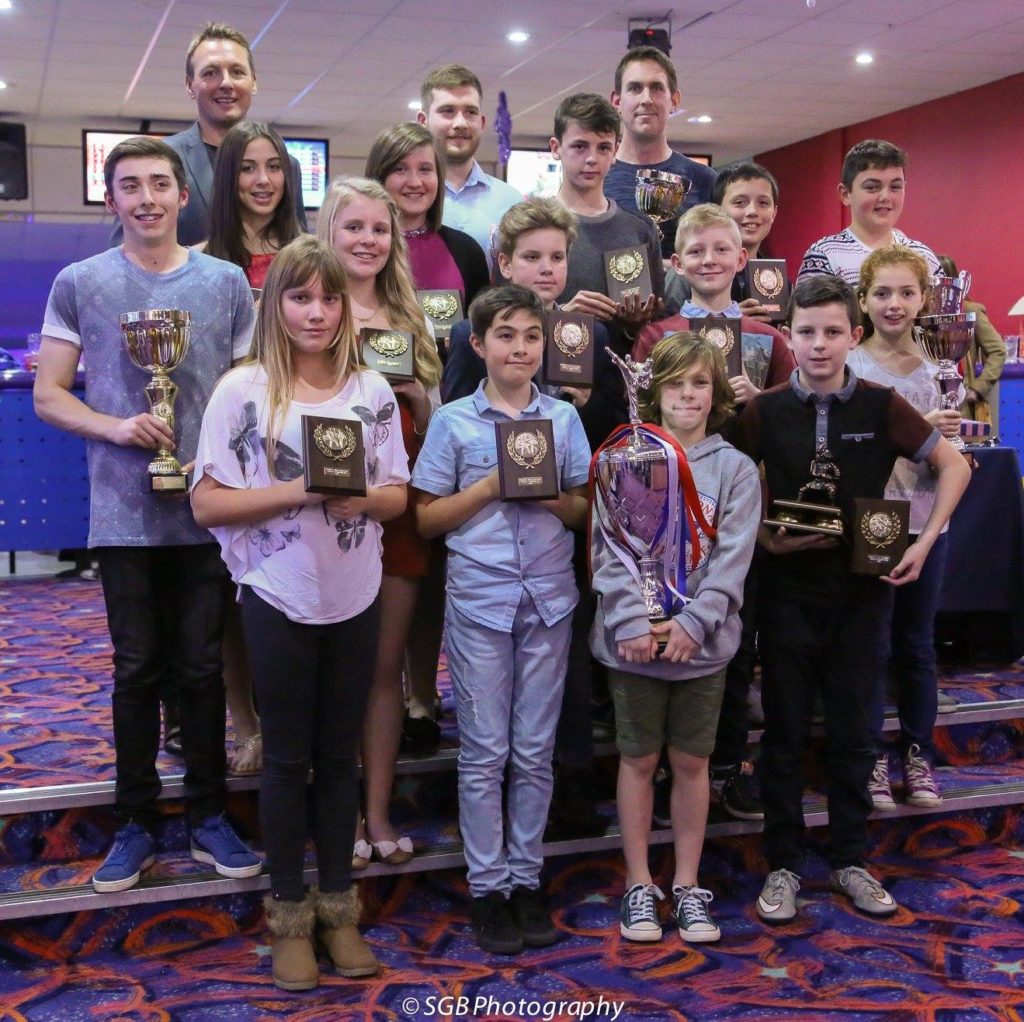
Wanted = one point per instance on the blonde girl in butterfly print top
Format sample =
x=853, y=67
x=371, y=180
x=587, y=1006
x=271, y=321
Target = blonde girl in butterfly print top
x=309, y=571
x=360, y=220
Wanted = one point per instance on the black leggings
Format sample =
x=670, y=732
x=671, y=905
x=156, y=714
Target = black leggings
x=311, y=682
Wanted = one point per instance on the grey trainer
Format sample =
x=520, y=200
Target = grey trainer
x=863, y=890
x=777, y=900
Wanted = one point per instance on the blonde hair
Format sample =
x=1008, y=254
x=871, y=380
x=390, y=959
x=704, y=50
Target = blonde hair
x=702, y=218
x=535, y=214
x=394, y=284
x=890, y=255
x=297, y=264
x=674, y=356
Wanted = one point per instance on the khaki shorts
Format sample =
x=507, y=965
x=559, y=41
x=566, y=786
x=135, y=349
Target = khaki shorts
x=651, y=711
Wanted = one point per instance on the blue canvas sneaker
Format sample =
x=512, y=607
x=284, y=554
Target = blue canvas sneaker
x=131, y=853
x=215, y=842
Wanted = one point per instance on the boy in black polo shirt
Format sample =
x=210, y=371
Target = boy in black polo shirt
x=820, y=625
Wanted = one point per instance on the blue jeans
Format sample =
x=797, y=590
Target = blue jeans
x=908, y=656
x=508, y=690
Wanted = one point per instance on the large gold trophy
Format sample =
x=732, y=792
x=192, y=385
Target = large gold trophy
x=156, y=341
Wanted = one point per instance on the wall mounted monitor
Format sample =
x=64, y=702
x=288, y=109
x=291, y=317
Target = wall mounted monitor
x=313, y=155
x=95, y=147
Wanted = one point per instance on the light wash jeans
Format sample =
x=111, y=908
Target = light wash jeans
x=508, y=690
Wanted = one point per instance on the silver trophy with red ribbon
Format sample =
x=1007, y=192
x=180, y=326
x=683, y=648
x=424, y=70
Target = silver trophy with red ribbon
x=637, y=498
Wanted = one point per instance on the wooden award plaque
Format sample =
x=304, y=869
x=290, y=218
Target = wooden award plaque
x=333, y=458
x=527, y=469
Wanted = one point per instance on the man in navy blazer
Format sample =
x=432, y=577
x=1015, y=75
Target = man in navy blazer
x=219, y=76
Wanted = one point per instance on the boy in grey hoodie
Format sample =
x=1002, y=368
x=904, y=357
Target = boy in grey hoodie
x=675, y=698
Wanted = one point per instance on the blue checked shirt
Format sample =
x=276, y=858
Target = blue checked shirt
x=505, y=548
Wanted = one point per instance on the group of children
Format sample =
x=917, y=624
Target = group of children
x=309, y=568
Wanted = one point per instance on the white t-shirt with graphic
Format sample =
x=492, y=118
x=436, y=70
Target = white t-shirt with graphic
x=314, y=568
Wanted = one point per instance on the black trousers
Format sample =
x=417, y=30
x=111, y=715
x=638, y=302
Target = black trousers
x=834, y=649
x=312, y=683
x=734, y=718
x=574, y=738
x=165, y=611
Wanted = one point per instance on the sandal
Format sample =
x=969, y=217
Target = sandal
x=393, y=853
x=247, y=756
x=362, y=852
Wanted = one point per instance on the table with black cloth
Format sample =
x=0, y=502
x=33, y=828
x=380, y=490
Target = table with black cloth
x=982, y=605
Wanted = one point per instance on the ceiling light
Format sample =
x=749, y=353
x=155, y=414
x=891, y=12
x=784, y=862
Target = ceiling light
x=3, y=84
x=517, y=36
x=415, y=104
x=865, y=58
x=6, y=5
x=702, y=119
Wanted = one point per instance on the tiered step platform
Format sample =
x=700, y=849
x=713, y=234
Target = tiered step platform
x=57, y=767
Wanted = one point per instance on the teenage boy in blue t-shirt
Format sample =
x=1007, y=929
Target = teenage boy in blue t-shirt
x=164, y=584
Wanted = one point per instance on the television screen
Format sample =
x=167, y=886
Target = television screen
x=312, y=154
x=95, y=147
x=534, y=172
x=13, y=162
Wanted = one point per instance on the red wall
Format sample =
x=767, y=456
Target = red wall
x=965, y=187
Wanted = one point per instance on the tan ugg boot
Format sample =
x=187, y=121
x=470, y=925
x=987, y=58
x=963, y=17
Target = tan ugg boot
x=291, y=925
x=337, y=914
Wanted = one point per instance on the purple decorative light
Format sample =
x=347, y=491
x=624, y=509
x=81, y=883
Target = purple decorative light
x=503, y=128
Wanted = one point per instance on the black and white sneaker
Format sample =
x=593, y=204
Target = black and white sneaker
x=740, y=792
x=692, y=917
x=639, y=916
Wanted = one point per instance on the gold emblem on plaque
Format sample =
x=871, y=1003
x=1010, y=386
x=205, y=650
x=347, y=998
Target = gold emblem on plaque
x=626, y=266
x=442, y=307
x=880, y=528
x=388, y=344
x=334, y=442
x=769, y=281
x=571, y=338
x=527, y=450
x=720, y=337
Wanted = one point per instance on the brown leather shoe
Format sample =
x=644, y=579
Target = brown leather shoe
x=291, y=925
x=337, y=913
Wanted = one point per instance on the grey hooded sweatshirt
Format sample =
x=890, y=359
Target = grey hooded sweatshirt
x=730, y=495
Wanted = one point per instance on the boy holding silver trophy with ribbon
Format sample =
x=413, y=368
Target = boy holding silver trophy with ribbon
x=674, y=520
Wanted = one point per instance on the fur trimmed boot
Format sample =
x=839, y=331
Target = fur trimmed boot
x=291, y=925
x=337, y=914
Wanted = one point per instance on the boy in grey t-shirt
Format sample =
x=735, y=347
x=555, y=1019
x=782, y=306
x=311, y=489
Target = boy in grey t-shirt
x=163, y=581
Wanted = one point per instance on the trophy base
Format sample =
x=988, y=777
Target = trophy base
x=798, y=516
x=175, y=482
x=662, y=642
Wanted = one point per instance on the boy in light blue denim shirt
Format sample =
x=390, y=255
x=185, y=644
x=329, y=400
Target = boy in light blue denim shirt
x=510, y=599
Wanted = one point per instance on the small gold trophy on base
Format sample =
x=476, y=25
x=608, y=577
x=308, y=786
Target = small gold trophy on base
x=156, y=341
x=814, y=509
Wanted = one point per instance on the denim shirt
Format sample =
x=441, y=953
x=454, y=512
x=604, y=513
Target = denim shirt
x=506, y=547
x=478, y=206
